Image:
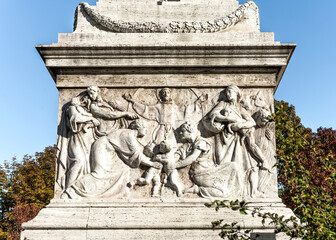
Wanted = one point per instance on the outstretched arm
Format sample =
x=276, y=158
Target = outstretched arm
x=148, y=112
x=147, y=162
x=220, y=118
x=189, y=160
x=111, y=115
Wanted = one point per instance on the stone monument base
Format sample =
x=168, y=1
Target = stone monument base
x=143, y=219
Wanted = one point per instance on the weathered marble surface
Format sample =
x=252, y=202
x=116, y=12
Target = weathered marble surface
x=64, y=219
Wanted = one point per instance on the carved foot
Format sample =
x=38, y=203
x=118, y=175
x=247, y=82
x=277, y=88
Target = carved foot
x=157, y=195
x=194, y=189
x=257, y=194
x=65, y=194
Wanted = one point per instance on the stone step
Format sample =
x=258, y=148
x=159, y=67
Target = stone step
x=117, y=221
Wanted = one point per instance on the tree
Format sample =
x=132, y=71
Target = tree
x=26, y=187
x=307, y=172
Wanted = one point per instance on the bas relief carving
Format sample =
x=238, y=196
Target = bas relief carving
x=177, y=143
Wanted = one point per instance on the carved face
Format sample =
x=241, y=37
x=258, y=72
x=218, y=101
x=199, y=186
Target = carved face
x=93, y=93
x=142, y=131
x=165, y=94
x=231, y=95
x=164, y=147
x=75, y=101
x=185, y=136
x=262, y=117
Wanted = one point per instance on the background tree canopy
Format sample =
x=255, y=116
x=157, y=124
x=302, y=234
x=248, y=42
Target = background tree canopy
x=25, y=187
x=307, y=174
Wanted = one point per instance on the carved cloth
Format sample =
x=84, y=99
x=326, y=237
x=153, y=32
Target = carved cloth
x=111, y=159
x=164, y=114
x=232, y=147
x=76, y=135
x=213, y=181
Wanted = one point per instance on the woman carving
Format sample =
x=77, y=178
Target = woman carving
x=234, y=139
x=81, y=124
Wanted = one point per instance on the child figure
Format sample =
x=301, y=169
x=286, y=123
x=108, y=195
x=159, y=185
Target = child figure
x=228, y=112
x=166, y=157
x=79, y=115
x=152, y=174
x=75, y=102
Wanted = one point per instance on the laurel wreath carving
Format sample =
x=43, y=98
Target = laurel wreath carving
x=119, y=26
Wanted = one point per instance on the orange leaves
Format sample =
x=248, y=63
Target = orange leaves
x=26, y=187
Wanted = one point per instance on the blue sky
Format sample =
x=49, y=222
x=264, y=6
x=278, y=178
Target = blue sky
x=29, y=98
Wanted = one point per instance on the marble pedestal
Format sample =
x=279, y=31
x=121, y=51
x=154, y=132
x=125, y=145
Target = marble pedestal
x=179, y=63
x=196, y=67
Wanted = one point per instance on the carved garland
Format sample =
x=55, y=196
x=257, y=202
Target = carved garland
x=216, y=25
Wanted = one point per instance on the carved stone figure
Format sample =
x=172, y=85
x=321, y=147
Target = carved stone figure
x=209, y=179
x=151, y=174
x=265, y=140
x=167, y=158
x=164, y=113
x=82, y=133
x=234, y=139
x=111, y=159
x=83, y=121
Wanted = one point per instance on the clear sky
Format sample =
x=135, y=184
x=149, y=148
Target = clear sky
x=29, y=97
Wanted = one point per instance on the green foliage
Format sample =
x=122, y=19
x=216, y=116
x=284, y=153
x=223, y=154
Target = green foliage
x=307, y=174
x=234, y=231
x=25, y=188
x=307, y=170
x=231, y=231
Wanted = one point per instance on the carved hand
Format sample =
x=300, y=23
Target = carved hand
x=95, y=122
x=236, y=127
x=156, y=165
x=132, y=115
x=203, y=98
x=219, y=127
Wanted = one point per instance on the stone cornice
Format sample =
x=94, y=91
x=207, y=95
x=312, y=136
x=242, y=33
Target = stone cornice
x=175, y=59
